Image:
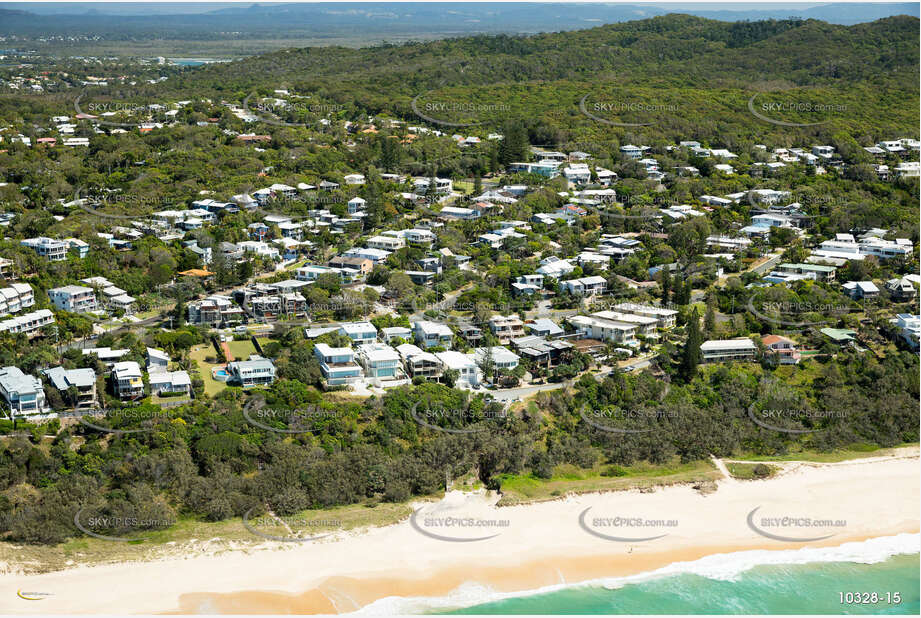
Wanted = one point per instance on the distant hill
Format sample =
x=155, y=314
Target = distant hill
x=378, y=21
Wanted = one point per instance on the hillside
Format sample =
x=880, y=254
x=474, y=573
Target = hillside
x=702, y=72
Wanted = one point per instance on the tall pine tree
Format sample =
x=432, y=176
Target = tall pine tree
x=690, y=354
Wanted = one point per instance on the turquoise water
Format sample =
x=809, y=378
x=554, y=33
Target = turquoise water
x=811, y=588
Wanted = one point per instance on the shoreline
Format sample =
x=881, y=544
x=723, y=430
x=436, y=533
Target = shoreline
x=542, y=545
x=525, y=579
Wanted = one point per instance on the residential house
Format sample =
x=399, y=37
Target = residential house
x=359, y=266
x=645, y=325
x=170, y=383
x=380, y=361
x=433, y=334
x=585, y=286
x=419, y=363
x=392, y=333
x=783, y=347
x=466, y=368
x=127, y=380
x=254, y=371
x=80, y=382
x=337, y=365
x=28, y=323
x=812, y=271
x=359, y=332
x=909, y=328
x=900, y=290
x=543, y=327
x=16, y=297
x=861, y=289
x=22, y=393
x=386, y=243
x=48, y=248
x=215, y=311
x=592, y=327
x=541, y=351
x=157, y=360
x=502, y=357
x=664, y=317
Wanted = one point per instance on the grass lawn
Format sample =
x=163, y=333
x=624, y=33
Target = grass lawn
x=464, y=186
x=518, y=489
x=853, y=451
x=198, y=354
x=746, y=471
x=241, y=350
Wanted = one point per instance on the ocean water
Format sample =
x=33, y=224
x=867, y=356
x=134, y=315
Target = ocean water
x=775, y=589
x=804, y=581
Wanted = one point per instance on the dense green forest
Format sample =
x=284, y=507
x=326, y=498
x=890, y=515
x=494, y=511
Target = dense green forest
x=210, y=461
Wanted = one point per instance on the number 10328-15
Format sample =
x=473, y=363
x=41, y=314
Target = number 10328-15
x=869, y=598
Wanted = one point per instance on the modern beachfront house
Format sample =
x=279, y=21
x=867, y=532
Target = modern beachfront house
x=337, y=364
x=254, y=371
x=23, y=394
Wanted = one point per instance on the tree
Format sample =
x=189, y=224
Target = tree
x=710, y=315
x=666, y=286
x=690, y=354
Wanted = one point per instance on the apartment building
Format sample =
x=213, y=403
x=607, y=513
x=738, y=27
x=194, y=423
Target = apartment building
x=29, y=323
x=214, y=311
x=73, y=298
x=506, y=327
x=16, y=297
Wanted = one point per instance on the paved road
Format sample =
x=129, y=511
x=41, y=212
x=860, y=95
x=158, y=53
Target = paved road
x=511, y=394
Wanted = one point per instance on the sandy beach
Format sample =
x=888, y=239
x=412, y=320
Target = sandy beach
x=466, y=539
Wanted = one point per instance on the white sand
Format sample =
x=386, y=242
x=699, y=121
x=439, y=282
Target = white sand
x=875, y=497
